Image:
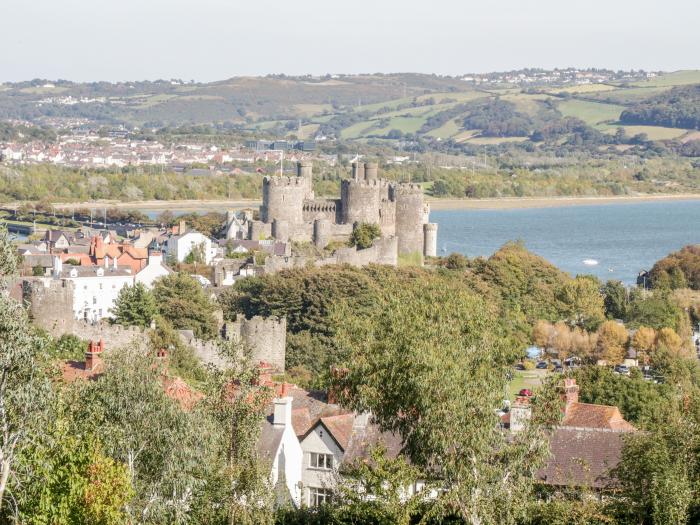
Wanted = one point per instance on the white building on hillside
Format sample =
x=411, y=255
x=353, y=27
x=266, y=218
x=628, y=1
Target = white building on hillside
x=95, y=287
x=155, y=269
x=180, y=246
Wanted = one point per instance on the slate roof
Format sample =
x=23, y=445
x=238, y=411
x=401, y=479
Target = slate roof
x=582, y=457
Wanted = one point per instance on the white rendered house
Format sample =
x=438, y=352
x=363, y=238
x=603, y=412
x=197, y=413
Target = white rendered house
x=180, y=246
x=95, y=288
x=155, y=269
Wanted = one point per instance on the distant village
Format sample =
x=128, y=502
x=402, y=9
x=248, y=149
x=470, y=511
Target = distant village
x=565, y=76
x=85, y=147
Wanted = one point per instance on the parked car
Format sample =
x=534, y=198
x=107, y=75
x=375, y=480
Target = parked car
x=542, y=365
x=622, y=369
x=525, y=392
x=558, y=368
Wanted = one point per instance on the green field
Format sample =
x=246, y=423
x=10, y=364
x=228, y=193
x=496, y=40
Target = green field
x=592, y=113
x=678, y=78
x=653, y=132
x=447, y=130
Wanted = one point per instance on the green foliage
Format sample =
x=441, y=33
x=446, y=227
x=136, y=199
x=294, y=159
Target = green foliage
x=677, y=108
x=167, y=450
x=640, y=401
x=134, y=306
x=455, y=261
x=582, y=302
x=364, y=235
x=181, y=358
x=679, y=269
x=615, y=300
x=9, y=260
x=660, y=468
x=245, y=496
x=182, y=301
x=385, y=479
x=68, y=346
x=38, y=271
x=429, y=365
x=73, y=483
x=196, y=255
x=656, y=310
x=25, y=395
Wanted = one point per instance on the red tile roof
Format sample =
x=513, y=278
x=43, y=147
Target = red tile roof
x=585, y=415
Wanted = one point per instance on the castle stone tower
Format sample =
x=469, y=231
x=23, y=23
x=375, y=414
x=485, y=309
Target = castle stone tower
x=322, y=232
x=430, y=239
x=358, y=171
x=360, y=200
x=371, y=171
x=409, y=218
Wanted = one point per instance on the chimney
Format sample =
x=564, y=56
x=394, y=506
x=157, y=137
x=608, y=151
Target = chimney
x=93, y=356
x=283, y=408
x=570, y=391
x=57, y=266
x=182, y=228
x=162, y=354
x=520, y=413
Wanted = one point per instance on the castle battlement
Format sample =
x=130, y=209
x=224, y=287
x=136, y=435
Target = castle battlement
x=373, y=183
x=285, y=180
x=406, y=188
x=326, y=205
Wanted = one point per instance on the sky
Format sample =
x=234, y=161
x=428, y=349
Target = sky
x=206, y=40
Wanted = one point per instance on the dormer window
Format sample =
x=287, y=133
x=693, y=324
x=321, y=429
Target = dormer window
x=74, y=273
x=100, y=272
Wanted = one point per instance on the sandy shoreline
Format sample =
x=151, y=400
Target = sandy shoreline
x=550, y=202
x=435, y=204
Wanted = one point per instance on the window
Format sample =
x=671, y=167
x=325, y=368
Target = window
x=321, y=461
x=319, y=496
x=94, y=300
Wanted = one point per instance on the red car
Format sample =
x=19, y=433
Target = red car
x=526, y=392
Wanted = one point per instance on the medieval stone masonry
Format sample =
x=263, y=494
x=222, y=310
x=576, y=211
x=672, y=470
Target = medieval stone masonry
x=290, y=212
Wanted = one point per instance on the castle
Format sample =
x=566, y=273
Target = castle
x=290, y=211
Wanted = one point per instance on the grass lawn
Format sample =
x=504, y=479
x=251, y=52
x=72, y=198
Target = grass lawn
x=487, y=141
x=403, y=124
x=525, y=379
x=653, y=132
x=677, y=78
x=592, y=113
x=449, y=128
x=585, y=88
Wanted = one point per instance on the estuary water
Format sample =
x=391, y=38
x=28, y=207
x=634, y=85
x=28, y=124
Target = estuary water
x=611, y=241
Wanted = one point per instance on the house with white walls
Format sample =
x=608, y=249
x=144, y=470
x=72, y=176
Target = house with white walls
x=154, y=269
x=95, y=288
x=180, y=246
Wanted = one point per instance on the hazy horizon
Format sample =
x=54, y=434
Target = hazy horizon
x=80, y=40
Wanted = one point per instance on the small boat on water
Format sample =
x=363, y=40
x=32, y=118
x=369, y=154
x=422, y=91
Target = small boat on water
x=590, y=262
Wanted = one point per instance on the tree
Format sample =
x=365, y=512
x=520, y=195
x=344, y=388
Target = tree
x=182, y=301
x=644, y=342
x=364, y=235
x=659, y=470
x=582, y=302
x=237, y=402
x=615, y=300
x=24, y=391
x=9, y=259
x=135, y=306
x=667, y=338
x=612, y=342
x=166, y=449
x=429, y=366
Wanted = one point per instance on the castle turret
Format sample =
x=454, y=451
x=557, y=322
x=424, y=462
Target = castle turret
x=409, y=219
x=280, y=230
x=358, y=171
x=371, y=171
x=430, y=239
x=283, y=199
x=322, y=232
x=305, y=169
x=360, y=200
